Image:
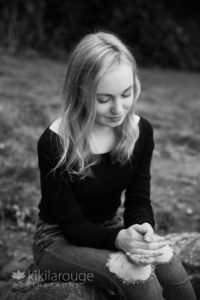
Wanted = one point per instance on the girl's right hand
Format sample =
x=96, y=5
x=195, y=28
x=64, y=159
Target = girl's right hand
x=131, y=241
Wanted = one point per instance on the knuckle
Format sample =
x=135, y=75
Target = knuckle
x=149, y=247
x=154, y=253
x=133, y=252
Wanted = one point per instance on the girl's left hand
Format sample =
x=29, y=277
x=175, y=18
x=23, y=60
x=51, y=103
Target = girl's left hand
x=141, y=260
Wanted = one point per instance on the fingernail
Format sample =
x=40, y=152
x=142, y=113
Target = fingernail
x=143, y=261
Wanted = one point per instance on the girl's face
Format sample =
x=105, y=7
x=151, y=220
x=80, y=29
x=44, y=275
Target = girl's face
x=114, y=96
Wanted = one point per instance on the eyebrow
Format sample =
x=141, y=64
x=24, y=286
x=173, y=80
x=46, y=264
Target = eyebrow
x=105, y=94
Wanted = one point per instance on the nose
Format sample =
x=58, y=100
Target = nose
x=116, y=108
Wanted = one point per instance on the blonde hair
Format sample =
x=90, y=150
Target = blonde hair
x=95, y=55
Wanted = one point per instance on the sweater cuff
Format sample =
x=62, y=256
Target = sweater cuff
x=115, y=246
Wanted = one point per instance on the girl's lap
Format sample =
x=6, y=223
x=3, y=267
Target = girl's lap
x=63, y=254
x=63, y=257
x=90, y=266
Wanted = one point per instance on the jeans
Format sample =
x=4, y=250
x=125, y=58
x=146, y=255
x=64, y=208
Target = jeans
x=89, y=266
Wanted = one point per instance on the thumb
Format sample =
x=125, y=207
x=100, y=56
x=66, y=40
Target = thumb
x=140, y=228
x=148, y=237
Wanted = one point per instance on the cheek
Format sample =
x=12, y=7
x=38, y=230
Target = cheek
x=128, y=104
x=101, y=109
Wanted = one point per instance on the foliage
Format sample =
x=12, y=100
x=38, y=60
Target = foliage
x=30, y=92
x=164, y=33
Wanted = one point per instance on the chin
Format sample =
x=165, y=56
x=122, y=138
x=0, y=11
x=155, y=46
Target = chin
x=115, y=124
x=110, y=123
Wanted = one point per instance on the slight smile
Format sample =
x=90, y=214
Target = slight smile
x=117, y=116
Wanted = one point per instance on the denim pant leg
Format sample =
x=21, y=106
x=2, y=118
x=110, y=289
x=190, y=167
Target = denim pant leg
x=61, y=257
x=174, y=280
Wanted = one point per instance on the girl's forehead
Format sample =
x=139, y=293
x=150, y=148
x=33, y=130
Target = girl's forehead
x=118, y=79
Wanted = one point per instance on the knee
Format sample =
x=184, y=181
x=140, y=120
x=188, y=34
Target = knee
x=128, y=272
x=167, y=254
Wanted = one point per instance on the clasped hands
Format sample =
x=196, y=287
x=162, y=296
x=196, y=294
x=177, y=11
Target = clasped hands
x=140, y=244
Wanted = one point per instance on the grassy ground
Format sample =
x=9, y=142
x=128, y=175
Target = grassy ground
x=30, y=99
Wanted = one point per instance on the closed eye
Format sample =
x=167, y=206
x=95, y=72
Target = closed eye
x=127, y=93
x=103, y=99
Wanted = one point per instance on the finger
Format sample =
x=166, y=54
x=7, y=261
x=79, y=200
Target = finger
x=137, y=261
x=148, y=237
x=143, y=227
x=150, y=245
x=139, y=256
x=147, y=261
x=140, y=262
x=139, y=228
x=157, y=245
x=155, y=238
x=147, y=227
x=132, y=258
x=150, y=253
x=140, y=259
x=158, y=238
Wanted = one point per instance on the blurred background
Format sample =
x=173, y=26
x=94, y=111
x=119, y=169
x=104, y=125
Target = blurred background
x=162, y=33
x=35, y=39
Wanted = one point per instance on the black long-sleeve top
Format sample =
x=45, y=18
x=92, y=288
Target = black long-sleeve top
x=76, y=204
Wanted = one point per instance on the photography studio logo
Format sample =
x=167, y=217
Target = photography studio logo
x=22, y=279
x=18, y=275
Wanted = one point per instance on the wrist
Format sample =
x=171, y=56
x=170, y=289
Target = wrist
x=118, y=240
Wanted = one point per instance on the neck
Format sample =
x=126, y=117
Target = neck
x=97, y=129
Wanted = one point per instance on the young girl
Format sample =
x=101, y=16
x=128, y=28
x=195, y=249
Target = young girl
x=98, y=151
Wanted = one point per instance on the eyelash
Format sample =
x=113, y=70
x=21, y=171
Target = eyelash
x=105, y=101
x=126, y=96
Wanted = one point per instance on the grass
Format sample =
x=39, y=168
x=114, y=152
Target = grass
x=30, y=91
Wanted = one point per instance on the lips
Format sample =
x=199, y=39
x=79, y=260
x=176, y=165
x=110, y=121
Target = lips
x=117, y=116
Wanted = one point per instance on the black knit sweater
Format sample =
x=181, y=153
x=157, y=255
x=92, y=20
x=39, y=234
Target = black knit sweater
x=77, y=204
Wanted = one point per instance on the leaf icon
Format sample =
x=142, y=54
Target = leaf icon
x=18, y=275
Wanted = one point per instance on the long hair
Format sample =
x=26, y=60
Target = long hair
x=94, y=56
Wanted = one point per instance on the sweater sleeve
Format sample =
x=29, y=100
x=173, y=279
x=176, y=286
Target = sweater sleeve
x=137, y=205
x=59, y=199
